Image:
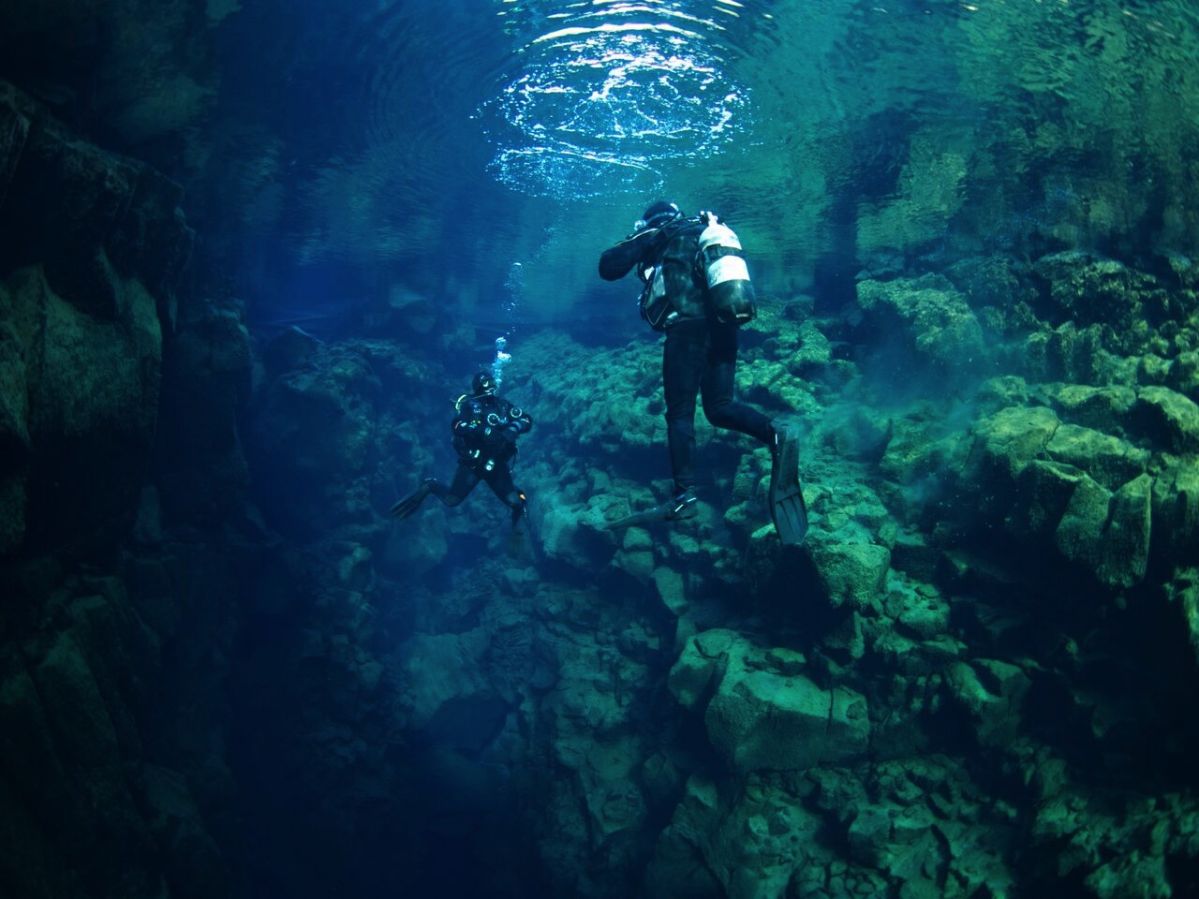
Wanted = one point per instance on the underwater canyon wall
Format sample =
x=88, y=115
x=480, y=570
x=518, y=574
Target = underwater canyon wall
x=226, y=671
x=974, y=679
x=118, y=395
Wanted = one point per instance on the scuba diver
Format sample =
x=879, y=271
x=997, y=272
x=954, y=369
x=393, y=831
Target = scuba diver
x=697, y=291
x=484, y=430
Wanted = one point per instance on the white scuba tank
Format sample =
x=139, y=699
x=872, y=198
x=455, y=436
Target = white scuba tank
x=730, y=293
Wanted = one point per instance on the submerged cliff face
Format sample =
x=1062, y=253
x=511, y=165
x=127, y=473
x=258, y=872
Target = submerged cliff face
x=225, y=671
x=109, y=626
x=975, y=675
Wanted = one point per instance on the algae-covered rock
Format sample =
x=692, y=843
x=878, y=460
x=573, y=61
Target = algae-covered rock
x=1088, y=289
x=1176, y=513
x=1183, y=592
x=1044, y=490
x=1109, y=460
x=992, y=693
x=851, y=573
x=1102, y=408
x=1011, y=438
x=934, y=319
x=761, y=711
x=671, y=589
x=701, y=664
x=762, y=720
x=1108, y=533
x=1170, y=418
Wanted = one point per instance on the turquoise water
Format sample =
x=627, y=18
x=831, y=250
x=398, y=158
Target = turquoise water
x=523, y=129
x=254, y=253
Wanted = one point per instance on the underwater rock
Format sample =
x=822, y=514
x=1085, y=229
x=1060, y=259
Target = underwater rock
x=88, y=410
x=14, y=129
x=1109, y=460
x=992, y=692
x=851, y=573
x=192, y=857
x=1086, y=289
x=700, y=665
x=1176, y=514
x=1116, y=844
x=76, y=203
x=1169, y=418
x=576, y=535
x=1043, y=491
x=1010, y=439
x=98, y=242
x=1183, y=592
x=1102, y=408
x=763, y=713
x=931, y=316
x=1108, y=533
x=293, y=348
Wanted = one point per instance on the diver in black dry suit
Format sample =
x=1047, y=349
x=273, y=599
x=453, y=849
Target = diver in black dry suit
x=696, y=290
x=484, y=431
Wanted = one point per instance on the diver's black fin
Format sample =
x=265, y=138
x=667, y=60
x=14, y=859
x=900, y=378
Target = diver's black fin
x=680, y=508
x=410, y=503
x=787, y=507
x=522, y=541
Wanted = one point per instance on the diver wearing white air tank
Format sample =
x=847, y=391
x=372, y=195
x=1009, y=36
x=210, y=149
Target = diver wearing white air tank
x=697, y=290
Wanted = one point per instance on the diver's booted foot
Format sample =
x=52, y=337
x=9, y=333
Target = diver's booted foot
x=681, y=508
x=409, y=504
x=787, y=507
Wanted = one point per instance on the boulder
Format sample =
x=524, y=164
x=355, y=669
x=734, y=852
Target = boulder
x=852, y=573
x=762, y=720
x=1011, y=438
x=1108, y=533
x=1169, y=418
x=1176, y=513
x=701, y=664
x=1088, y=289
x=933, y=318
x=992, y=693
x=1102, y=408
x=1109, y=460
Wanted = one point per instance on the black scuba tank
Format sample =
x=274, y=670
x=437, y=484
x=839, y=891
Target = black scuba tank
x=731, y=297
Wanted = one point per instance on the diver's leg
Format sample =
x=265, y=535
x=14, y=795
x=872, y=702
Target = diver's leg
x=464, y=482
x=716, y=387
x=683, y=360
x=500, y=482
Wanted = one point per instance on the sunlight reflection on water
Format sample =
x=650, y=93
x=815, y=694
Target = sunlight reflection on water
x=603, y=94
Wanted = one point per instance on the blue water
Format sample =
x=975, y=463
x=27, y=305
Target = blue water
x=971, y=226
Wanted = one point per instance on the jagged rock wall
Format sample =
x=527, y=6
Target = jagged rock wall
x=94, y=242
x=975, y=676
x=112, y=770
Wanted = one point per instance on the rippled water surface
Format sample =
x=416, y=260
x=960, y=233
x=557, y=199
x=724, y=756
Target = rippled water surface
x=470, y=135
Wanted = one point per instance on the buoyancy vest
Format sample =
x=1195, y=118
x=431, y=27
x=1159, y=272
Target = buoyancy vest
x=698, y=274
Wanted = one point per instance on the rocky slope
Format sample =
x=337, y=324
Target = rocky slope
x=973, y=680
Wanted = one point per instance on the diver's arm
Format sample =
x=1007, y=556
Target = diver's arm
x=615, y=262
x=465, y=429
x=519, y=420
